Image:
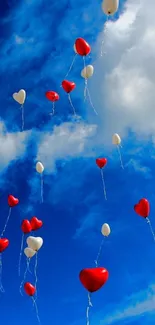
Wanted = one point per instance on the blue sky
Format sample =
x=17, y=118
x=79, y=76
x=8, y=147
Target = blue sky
x=36, y=51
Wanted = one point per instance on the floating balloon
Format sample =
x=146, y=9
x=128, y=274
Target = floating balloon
x=12, y=202
x=82, y=47
x=30, y=290
x=94, y=278
x=26, y=229
x=35, y=243
x=87, y=72
x=116, y=140
x=29, y=252
x=105, y=230
x=53, y=97
x=101, y=163
x=35, y=223
x=20, y=99
x=4, y=243
x=110, y=7
x=68, y=87
x=142, y=208
x=40, y=169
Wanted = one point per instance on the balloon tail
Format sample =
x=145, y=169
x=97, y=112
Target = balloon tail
x=25, y=273
x=53, y=109
x=104, y=34
x=1, y=286
x=42, y=189
x=20, y=255
x=7, y=220
x=88, y=308
x=69, y=97
x=90, y=100
x=103, y=183
x=99, y=253
x=120, y=157
x=36, y=308
x=71, y=66
x=22, y=109
x=35, y=273
x=151, y=229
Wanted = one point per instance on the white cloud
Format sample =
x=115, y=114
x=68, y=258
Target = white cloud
x=135, y=305
x=66, y=141
x=12, y=146
x=125, y=75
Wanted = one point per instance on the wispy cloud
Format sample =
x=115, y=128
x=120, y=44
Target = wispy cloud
x=132, y=306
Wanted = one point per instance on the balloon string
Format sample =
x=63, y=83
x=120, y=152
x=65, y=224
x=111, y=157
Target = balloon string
x=42, y=189
x=88, y=308
x=7, y=220
x=1, y=286
x=22, y=109
x=71, y=66
x=150, y=225
x=99, y=253
x=89, y=97
x=20, y=255
x=104, y=34
x=36, y=308
x=53, y=109
x=120, y=157
x=35, y=273
x=25, y=273
x=103, y=182
x=69, y=97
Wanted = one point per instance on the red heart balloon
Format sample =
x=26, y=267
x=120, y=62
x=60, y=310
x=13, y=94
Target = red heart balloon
x=68, y=86
x=36, y=223
x=26, y=226
x=12, y=201
x=29, y=289
x=101, y=162
x=142, y=208
x=93, y=279
x=52, y=96
x=82, y=47
x=4, y=243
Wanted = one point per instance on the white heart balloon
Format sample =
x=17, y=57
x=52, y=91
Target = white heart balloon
x=29, y=252
x=34, y=243
x=39, y=167
x=116, y=139
x=87, y=72
x=105, y=230
x=20, y=96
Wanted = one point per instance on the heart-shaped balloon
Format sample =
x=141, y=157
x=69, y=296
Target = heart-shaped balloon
x=20, y=96
x=52, y=96
x=4, y=243
x=29, y=289
x=34, y=242
x=36, y=223
x=82, y=47
x=29, y=252
x=142, y=208
x=12, y=201
x=68, y=86
x=94, y=278
x=101, y=162
x=26, y=226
